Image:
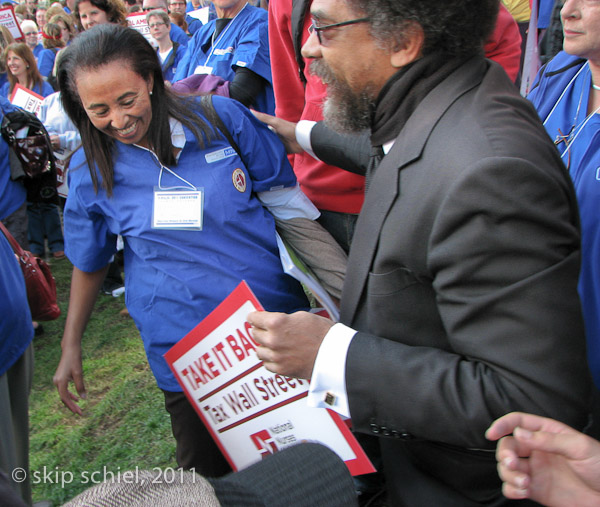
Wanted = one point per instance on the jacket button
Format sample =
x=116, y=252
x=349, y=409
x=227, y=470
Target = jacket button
x=406, y=436
x=374, y=428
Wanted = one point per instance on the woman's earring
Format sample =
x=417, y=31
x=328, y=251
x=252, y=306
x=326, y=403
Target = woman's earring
x=150, y=92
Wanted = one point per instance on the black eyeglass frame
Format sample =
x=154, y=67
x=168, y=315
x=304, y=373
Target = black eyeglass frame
x=318, y=29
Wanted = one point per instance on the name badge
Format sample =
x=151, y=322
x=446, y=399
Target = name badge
x=178, y=209
x=203, y=69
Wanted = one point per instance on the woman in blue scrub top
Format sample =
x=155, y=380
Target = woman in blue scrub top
x=22, y=69
x=235, y=46
x=566, y=95
x=140, y=143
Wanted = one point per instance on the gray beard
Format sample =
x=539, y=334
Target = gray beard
x=343, y=109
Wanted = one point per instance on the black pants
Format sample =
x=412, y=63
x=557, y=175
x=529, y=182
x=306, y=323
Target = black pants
x=195, y=447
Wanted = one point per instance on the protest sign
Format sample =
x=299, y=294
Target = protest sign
x=250, y=411
x=138, y=22
x=26, y=99
x=9, y=20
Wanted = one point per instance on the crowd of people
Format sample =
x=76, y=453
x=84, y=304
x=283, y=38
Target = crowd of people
x=452, y=218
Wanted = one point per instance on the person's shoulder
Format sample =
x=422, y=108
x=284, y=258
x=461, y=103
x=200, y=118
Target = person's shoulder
x=5, y=105
x=563, y=62
x=257, y=13
x=46, y=89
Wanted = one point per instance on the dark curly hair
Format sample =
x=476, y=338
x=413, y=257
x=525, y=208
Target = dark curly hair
x=116, y=11
x=453, y=27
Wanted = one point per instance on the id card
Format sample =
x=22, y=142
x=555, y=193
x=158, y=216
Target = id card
x=203, y=69
x=178, y=209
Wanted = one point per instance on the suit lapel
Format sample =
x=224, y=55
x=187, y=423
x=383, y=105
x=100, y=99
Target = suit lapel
x=385, y=187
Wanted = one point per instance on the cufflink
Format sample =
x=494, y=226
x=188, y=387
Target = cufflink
x=330, y=398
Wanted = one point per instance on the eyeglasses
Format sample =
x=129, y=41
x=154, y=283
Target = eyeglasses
x=318, y=29
x=154, y=25
x=29, y=34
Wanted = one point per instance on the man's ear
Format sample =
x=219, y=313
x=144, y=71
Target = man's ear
x=409, y=49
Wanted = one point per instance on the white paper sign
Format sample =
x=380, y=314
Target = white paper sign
x=138, y=22
x=201, y=14
x=250, y=411
x=9, y=20
x=26, y=99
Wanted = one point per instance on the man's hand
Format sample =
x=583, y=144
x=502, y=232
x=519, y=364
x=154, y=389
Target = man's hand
x=289, y=343
x=546, y=461
x=286, y=130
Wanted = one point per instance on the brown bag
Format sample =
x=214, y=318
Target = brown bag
x=40, y=284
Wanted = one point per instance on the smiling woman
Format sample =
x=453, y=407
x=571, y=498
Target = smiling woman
x=117, y=101
x=142, y=144
x=96, y=12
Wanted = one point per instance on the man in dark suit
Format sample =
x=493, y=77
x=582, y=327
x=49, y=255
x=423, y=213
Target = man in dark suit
x=460, y=301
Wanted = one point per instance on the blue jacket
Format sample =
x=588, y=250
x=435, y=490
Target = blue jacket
x=175, y=277
x=244, y=42
x=565, y=117
x=13, y=193
x=169, y=66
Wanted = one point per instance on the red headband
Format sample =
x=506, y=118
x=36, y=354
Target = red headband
x=51, y=37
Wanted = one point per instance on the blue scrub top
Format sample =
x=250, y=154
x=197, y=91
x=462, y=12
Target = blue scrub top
x=46, y=61
x=244, y=42
x=13, y=193
x=16, y=329
x=582, y=157
x=45, y=90
x=169, y=70
x=174, y=278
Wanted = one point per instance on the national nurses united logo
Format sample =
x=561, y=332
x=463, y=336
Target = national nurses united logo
x=239, y=180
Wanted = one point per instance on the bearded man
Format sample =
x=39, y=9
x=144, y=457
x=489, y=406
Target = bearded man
x=460, y=300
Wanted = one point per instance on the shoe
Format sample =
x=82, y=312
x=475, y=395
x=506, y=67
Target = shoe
x=118, y=292
x=109, y=286
x=59, y=255
x=38, y=329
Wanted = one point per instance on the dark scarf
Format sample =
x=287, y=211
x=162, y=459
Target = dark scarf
x=401, y=95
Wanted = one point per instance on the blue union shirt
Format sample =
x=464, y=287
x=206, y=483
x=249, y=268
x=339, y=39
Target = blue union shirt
x=244, y=42
x=565, y=117
x=174, y=278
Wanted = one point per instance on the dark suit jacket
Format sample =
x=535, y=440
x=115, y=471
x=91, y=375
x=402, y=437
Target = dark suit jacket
x=462, y=284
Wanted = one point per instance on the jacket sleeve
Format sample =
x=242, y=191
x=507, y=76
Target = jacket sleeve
x=503, y=256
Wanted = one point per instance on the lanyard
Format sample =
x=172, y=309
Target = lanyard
x=188, y=186
x=221, y=35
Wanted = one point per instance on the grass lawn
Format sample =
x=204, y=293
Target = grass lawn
x=124, y=425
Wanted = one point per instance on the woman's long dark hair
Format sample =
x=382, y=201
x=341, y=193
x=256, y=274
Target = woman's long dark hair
x=106, y=43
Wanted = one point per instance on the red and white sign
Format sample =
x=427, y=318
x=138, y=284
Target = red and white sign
x=26, y=99
x=139, y=23
x=9, y=20
x=250, y=411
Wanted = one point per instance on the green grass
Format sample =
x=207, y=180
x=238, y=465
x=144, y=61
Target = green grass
x=124, y=423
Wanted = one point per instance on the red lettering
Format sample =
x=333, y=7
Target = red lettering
x=235, y=348
x=246, y=342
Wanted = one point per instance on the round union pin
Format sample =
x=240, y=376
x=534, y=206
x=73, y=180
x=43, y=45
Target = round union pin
x=239, y=180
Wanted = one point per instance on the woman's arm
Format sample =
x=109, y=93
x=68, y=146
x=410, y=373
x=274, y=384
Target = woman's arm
x=84, y=290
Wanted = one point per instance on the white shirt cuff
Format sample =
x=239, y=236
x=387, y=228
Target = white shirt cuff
x=328, y=383
x=303, y=130
x=289, y=202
